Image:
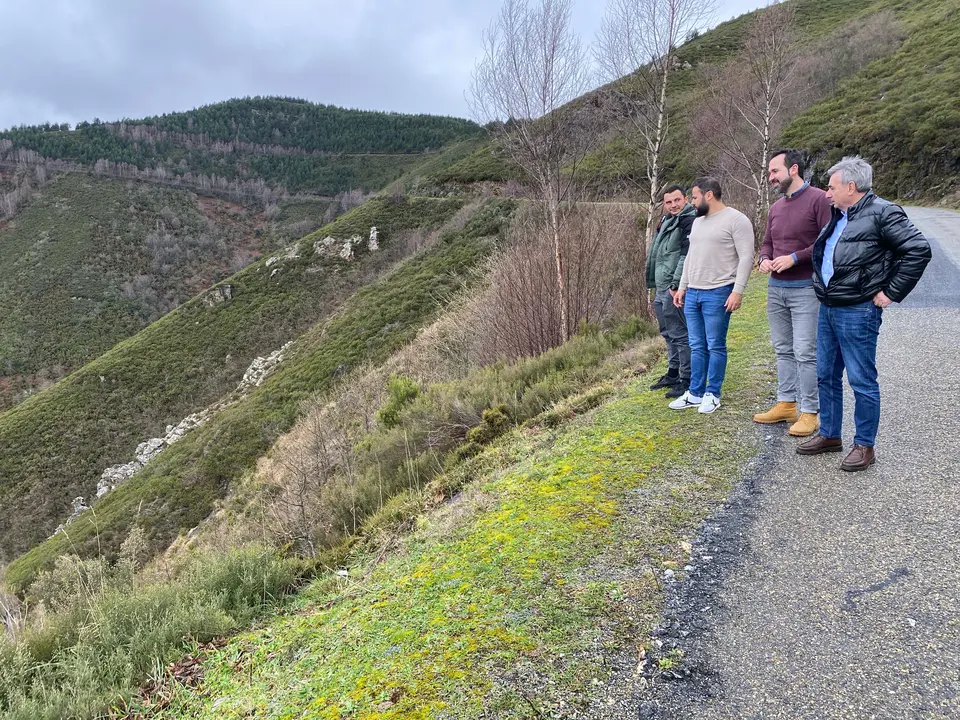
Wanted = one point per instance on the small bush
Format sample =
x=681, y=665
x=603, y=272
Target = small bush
x=401, y=392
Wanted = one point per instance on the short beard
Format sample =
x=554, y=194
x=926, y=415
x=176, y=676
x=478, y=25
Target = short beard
x=784, y=187
x=702, y=209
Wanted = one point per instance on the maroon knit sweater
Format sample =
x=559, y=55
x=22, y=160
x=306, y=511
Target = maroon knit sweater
x=792, y=227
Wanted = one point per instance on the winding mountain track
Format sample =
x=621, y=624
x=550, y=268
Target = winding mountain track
x=839, y=594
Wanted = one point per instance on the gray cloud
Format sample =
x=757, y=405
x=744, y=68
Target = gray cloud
x=72, y=60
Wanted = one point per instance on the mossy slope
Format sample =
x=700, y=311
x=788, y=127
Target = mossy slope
x=487, y=608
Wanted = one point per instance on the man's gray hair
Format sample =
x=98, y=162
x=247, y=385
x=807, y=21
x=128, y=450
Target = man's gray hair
x=855, y=169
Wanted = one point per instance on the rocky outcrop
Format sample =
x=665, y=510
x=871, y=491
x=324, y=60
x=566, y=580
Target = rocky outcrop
x=343, y=249
x=291, y=253
x=146, y=451
x=217, y=295
x=79, y=506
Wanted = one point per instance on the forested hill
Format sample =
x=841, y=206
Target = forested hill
x=282, y=142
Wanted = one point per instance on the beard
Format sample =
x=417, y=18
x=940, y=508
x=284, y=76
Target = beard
x=784, y=186
x=702, y=209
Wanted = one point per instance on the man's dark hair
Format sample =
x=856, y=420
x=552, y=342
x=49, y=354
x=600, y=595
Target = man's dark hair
x=791, y=157
x=674, y=188
x=709, y=184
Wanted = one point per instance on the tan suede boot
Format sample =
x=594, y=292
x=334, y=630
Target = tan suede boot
x=808, y=424
x=781, y=412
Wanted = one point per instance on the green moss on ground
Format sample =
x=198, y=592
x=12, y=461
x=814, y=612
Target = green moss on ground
x=486, y=609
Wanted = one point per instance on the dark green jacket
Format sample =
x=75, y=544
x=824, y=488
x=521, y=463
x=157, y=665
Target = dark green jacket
x=669, y=250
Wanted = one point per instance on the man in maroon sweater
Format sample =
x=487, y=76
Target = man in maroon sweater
x=793, y=225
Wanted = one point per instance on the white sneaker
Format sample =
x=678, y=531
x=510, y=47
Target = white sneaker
x=685, y=401
x=709, y=403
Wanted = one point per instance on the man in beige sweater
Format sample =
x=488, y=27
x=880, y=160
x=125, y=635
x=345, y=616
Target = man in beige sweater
x=715, y=274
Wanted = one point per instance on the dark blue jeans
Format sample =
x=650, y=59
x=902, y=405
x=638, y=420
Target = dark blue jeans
x=707, y=323
x=847, y=338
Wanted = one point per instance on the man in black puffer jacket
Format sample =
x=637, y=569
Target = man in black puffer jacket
x=867, y=257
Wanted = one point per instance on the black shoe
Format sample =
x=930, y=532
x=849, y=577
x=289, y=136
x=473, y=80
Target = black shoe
x=667, y=381
x=679, y=389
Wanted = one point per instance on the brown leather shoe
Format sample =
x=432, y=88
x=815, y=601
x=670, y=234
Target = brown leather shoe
x=860, y=458
x=818, y=444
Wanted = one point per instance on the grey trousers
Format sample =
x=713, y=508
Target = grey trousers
x=673, y=328
x=793, y=314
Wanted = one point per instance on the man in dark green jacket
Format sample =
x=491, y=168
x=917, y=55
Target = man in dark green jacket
x=664, y=270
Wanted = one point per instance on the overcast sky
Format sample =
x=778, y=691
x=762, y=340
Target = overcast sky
x=72, y=60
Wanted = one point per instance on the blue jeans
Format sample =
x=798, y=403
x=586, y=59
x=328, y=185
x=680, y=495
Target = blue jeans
x=847, y=338
x=707, y=323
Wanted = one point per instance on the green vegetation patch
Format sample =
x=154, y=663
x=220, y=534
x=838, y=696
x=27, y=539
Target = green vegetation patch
x=178, y=489
x=54, y=445
x=487, y=608
x=900, y=112
x=285, y=142
x=94, y=260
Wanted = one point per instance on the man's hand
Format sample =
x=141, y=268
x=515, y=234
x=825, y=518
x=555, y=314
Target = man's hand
x=784, y=262
x=881, y=300
x=766, y=265
x=678, y=297
x=733, y=301
x=673, y=293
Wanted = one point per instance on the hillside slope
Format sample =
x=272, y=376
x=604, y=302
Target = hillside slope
x=525, y=596
x=55, y=445
x=92, y=260
x=898, y=110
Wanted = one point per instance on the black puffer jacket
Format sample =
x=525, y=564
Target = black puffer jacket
x=880, y=249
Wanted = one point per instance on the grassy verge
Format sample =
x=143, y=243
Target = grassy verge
x=487, y=609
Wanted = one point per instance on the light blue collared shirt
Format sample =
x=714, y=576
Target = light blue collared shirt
x=826, y=269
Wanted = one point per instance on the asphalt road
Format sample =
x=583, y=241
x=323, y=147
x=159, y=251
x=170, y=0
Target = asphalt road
x=838, y=595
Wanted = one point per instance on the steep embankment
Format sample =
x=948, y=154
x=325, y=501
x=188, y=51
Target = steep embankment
x=178, y=489
x=55, y=445
x=536, y=589
x=900, y=112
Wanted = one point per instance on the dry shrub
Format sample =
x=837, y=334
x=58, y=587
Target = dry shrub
x=312, y=473
x=516, y=314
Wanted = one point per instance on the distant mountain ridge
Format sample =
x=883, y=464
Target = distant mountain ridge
x=284, y=142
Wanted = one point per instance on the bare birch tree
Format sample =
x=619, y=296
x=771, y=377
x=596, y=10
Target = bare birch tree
x=533, y=64
x=747, y=102
x=636, y=50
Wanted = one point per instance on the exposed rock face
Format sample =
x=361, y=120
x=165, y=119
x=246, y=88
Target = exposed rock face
x=331, y=247
x=79, y=506
x=219, y=294
x=258, y=371
x=323, y=247
x=290, y=253
x=346, y=250
x=260, y=368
